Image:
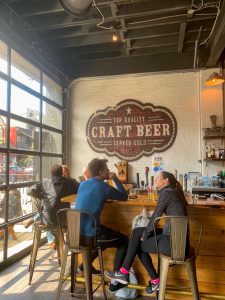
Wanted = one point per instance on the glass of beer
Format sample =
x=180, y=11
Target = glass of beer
x=151, y=193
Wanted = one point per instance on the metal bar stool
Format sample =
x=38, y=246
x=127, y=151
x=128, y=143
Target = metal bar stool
x=179, y=237
x=40, y=227
x=76, y=242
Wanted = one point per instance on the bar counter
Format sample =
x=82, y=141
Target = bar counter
x=211, y=260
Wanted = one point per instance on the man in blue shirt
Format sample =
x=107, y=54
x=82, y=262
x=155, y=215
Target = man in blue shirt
x=92, y=195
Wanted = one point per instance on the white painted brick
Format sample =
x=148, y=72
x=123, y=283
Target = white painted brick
x=183, y=93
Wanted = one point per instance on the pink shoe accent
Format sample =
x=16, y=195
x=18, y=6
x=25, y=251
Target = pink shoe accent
x=155, y=281
x=124, y=271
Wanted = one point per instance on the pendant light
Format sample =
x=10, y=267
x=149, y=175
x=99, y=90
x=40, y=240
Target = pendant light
x=214, y=79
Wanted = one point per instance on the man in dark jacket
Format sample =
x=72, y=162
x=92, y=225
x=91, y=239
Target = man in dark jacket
x=50, y=191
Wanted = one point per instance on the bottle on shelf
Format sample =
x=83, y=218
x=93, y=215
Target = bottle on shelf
x=217, y=152
x=213, y=151
x=209, y=151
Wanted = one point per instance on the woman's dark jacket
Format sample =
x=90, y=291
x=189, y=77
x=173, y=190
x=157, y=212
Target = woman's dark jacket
x=171, y=203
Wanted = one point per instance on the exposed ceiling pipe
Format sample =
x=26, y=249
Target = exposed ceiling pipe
x=196, y=48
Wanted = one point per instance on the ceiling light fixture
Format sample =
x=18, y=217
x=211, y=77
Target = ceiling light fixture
x=114, y=35
x=214, y=79
x=102, y=26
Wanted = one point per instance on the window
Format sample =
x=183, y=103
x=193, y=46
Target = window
x=3, y=96
x=52, y=90
x=24, y=104
x=2, y=168
x=31, y=139
x=3, y=131
x=24, y=136
x=51, y=116
x=23, y=168
x=23, y=71
x=51, y=142
x=2, y=207
x=47, y=163
x=3, y=57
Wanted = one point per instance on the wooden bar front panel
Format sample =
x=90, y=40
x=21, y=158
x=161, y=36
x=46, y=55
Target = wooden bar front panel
x=211, y=259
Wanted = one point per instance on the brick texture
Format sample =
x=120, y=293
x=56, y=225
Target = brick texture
x=183, y=93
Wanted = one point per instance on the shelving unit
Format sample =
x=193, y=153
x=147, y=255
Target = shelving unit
x=214, y=134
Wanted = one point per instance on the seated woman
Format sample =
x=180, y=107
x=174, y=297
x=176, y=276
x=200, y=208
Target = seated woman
x=171, y=202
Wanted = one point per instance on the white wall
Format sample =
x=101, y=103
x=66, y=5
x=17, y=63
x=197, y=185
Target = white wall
x=183, y=93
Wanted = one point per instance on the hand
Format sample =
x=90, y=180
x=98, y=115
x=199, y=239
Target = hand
x=112, y=175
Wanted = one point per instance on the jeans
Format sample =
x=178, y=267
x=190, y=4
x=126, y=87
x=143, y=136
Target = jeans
x=49, y=234
x=109, y=238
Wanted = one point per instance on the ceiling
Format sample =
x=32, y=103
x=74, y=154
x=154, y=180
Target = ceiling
x=152, y=35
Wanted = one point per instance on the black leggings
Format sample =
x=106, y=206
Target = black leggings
x=109, y=238
x=143, y=248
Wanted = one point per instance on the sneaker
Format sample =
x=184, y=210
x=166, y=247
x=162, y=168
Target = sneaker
x=114, y=287
x=151, y=288
x=118, y=276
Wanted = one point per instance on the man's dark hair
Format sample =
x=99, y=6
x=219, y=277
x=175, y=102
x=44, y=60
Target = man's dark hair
x=96, y=165
x=56, y=170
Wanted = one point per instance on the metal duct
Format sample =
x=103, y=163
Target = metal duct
x=76, y=7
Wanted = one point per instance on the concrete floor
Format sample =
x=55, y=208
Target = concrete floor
x=14, y=280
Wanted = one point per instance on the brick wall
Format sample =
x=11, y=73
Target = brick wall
x=183, y=93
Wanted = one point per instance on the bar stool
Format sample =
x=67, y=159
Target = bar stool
x=39, y=228
x=77, y=243
x=179, y=236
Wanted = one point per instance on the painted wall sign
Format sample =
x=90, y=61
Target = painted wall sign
x=131, y=129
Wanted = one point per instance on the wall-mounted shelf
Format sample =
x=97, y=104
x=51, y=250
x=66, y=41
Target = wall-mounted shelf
x=214, y=137
x=216, y=133
x=212, y=134
x=214, y=159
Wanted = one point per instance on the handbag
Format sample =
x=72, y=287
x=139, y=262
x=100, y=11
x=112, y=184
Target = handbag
x=128, y=293
x=142, y=219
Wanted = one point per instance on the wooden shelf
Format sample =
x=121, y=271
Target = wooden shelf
x=216, y=133
x=214, y=159
x=214, y=137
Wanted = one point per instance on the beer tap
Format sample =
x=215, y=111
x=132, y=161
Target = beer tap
x=146, y=175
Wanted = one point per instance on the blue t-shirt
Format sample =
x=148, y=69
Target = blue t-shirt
x=92, y=194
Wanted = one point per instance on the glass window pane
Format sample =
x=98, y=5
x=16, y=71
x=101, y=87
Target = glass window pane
x=2, y=168
x=51, y=142
x=2, y=132
x=3, y=89
x=52, y=90
x=23, y=168
x=47, y=163
x=15, y=207
x=24, y=136
x=24, y=104
x=2, y=207
x=1, y=244
x=3, y=57
x=51, y=116
x=19, y=236
x=23, y=71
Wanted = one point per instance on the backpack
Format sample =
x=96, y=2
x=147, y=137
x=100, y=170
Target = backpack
x=128, y=293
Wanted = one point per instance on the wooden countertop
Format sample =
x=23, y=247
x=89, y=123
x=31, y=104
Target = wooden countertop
x=142, y=200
